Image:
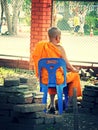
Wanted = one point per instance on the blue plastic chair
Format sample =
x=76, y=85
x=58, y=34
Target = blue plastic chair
x=52, y=64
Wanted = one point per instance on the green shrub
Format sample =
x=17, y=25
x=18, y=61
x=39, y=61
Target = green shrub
x=86, y=29
x=63, y=25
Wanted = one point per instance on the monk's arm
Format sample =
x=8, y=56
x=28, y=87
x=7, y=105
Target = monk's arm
x=64, y=56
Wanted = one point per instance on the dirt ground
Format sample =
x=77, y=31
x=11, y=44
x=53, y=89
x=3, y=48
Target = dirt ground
x=81, y=121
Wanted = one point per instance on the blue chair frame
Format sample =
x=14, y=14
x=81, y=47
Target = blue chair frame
x=51, y=65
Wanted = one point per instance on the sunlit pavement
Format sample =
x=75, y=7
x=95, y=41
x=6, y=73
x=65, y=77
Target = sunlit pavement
x=81, y=48
x=78, y=48
x=16, y=46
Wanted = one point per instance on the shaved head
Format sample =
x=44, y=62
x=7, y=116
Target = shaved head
x=53, y=32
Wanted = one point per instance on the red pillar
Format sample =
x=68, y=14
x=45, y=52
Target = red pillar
x=41, y=12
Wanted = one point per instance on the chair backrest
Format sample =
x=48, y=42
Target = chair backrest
x=51, y=65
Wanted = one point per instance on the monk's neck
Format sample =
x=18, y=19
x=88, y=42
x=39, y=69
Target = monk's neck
x=53, y=42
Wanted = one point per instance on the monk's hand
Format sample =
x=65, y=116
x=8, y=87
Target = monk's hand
x=76, y=70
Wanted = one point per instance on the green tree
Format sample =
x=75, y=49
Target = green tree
x=12, y=17
x=1, y=17
x=91, y=19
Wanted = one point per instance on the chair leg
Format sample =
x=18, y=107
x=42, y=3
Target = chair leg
x=60, y=103
x=44, y=99
x=60, y=99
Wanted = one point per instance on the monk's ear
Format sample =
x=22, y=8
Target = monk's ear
x=56, y=37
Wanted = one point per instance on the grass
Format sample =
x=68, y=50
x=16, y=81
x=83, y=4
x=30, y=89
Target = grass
x=6, y=72
x=16, y=72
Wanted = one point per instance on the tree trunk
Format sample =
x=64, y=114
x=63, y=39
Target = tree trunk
x=8, y=17
x=16, y=8
x=1, y=18
x=12, y=19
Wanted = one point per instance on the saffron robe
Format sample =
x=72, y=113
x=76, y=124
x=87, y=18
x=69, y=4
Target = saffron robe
x=45, y=49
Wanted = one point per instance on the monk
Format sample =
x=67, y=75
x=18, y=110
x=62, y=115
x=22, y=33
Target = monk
x=53, y=49
x=76, y=23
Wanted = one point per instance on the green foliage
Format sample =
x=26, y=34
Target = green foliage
x=14, y=72
x=96, y=23
x=5, y=72
x=63, y=25
x=96, y=32
x=28, y=20
x=93, y=13
x=27, y=9
x=86, y=29
x=91, y=21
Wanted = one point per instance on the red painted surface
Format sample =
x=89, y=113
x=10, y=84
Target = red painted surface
x=14, y=63
x=41, y=12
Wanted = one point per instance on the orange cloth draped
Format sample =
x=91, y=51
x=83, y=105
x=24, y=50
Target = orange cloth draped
x=47, y=50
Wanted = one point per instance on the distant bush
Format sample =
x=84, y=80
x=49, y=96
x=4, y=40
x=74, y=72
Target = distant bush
x=63, y=25
x=86, y=29
x=91, y=21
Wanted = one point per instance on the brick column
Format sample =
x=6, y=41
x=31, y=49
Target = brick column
x=41, y=12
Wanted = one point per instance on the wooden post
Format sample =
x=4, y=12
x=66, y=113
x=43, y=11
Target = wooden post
x=75, y=109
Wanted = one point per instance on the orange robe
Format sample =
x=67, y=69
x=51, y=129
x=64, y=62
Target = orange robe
x=45, y=49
